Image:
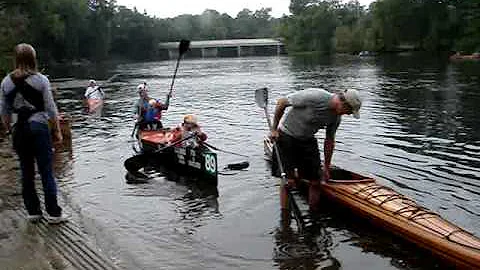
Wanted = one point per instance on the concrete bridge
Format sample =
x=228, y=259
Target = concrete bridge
x=226, y=48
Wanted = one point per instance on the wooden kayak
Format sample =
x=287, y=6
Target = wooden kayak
x=198, y=161
x=401, y=215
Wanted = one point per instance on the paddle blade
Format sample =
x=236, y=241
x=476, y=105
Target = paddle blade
x=183, y=46
x=261, y=97
x=238, y=166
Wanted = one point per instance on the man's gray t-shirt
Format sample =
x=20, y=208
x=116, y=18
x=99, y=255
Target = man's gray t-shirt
x=310, y=112
x=40, y=83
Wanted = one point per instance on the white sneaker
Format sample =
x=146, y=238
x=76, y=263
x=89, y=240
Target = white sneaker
x=34, y=218
x=55, y=220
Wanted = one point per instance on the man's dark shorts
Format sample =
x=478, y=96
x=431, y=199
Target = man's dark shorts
x=301, y=154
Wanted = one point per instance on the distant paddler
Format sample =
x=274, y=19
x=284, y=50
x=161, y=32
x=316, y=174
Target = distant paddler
x=94, y=97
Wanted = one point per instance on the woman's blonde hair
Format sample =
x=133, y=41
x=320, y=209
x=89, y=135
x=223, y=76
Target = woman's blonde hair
x=25, y=60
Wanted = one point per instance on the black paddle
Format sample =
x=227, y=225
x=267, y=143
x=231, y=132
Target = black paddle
x=182, y=48
x=261, y=98
x=231, y=166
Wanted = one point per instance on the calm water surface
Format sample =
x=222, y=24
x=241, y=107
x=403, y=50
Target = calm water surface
x=419, y=133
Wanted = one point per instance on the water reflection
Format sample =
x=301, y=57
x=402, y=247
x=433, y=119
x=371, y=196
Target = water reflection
x=419, y=133
x=195, y=204
x=310, y=249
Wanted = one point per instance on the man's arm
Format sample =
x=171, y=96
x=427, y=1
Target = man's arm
x=328, y=147
x=282, y=104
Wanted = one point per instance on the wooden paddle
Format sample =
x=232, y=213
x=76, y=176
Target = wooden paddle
x=287, y=202
x=183, y=47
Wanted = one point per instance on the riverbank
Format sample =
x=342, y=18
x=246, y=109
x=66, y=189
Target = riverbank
x=39, y=246
x=22, y=245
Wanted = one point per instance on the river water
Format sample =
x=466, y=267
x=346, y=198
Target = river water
x=419, y=133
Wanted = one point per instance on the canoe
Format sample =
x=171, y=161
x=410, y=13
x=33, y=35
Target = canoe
x=95, y=105
x=475, y=56
x=185, y=158
x=400, y=215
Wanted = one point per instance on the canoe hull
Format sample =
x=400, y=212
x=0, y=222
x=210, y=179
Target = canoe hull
x=400, y=215
x=199, y=162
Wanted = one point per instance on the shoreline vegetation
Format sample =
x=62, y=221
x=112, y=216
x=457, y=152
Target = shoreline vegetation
x=84, y=32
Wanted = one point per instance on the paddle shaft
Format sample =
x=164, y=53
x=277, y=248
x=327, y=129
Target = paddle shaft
x=175, y=143
x=182, y=48
x=175, y=74
x=283, y=175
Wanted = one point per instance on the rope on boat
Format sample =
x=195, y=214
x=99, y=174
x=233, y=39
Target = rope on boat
x=460, y=230
x=391, y=197
x=374, y=186
x=221, y=150
x=417, y=212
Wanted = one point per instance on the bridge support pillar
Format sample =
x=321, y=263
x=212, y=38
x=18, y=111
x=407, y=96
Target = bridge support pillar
x=239, y=51
x=210, y=52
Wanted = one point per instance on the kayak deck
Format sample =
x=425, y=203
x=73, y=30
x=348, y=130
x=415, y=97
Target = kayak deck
x=400, y=214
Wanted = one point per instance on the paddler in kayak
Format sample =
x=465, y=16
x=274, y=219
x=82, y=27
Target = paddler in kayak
x=311, y=110
x=148, y=111
x=94, y=96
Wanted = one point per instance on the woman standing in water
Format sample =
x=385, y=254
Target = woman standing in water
x=26, y=92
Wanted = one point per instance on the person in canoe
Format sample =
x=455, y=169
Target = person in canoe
x=311, y=109
x=94, y=96
x=190, y=127
x=148, y=111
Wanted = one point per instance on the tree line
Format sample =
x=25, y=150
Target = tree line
x=386, y=25
x=72, y=30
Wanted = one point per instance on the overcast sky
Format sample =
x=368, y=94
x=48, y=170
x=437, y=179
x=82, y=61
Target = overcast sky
x=168, y=9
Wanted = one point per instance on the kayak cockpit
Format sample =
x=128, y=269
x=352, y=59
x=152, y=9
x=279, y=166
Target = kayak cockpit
x=342, y=176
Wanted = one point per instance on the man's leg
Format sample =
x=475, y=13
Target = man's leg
x=312, y=171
